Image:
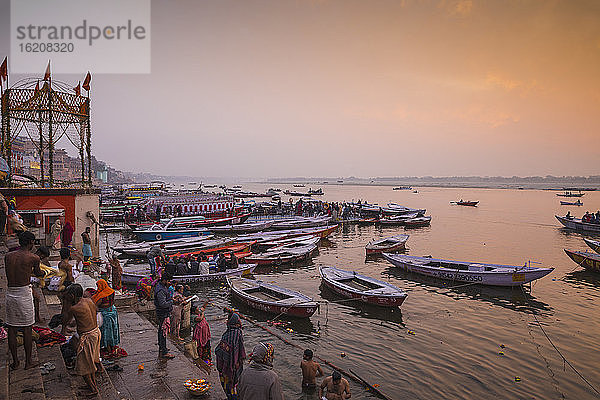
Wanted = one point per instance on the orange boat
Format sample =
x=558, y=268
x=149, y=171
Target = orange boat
x=236, y=248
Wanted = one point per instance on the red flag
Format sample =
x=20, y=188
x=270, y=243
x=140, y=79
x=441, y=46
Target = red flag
x=37, y=87
x=77, y=89
x=86, y=82
x=47, y=73
x=84, y=107
x=3, y=71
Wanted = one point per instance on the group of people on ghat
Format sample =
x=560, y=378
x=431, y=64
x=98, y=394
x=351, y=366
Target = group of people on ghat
x=190, y=264
x=257, y=381
x=81, y=311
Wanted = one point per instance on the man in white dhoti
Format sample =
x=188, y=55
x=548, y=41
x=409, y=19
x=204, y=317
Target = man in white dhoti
x=20, y=264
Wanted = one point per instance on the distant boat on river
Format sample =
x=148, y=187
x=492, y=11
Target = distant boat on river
x=571, y=203
x=570, y=194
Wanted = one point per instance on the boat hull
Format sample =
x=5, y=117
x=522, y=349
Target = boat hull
x=292, y=310
x=589, y=261
x=577, y=225
x=594, y=245
x=129, y=278
x=373, y=299
x=390, y=249
x=512, y=276
x=150, y=236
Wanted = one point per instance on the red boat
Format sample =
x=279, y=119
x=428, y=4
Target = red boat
x=466, y=203
x=236, y=248
x=271, y=298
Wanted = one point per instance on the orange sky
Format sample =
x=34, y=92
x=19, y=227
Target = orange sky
x=364, y=88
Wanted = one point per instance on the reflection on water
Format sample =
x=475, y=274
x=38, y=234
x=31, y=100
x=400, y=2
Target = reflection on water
x=514, y=298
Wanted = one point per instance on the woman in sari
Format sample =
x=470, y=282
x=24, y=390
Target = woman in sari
x=202, y=336
x=230, y=354
x=105, y=299
x=67, y=234
x=145, y=285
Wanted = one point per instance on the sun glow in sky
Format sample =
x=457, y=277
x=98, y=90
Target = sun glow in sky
x=363, y=88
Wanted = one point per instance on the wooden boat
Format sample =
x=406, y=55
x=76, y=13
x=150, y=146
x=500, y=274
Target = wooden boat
x=585, y=259
x=465, y=203
x=293, y=240
x=571, y=203
x=577, y=224
x=132, y=278
x=157, y=233
x=282, y=256
x=238, y=247
x=319, y=231
x=594, y=244
x=298, y=243
x=302, y=222
x=397, y=220
x=369, y=290
x=400, y=209
x=389, y=245
x=570, y=194
x=247, y=227
x=271, y=298
x=465, y=271
x=170, y=246
x=417, y=222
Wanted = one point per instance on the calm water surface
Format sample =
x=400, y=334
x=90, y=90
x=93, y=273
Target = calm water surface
x=454, y=353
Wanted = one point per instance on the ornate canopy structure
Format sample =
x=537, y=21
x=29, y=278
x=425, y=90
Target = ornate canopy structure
x=45, y=112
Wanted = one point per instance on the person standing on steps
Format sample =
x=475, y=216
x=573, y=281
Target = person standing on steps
x=20, y=314
x=230, y=355
x=87, y=244
x=84, y=311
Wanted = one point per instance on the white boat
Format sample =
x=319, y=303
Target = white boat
x=248, y=227
x=301, y=222
x=369, y=290
x=388, y=244
x=594, y=244
x=417, y=222
x=465, y=271
x=272, y=298
x=577, y=224
x=397, y=219
x=298, y=243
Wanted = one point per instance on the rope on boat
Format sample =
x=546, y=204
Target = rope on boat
x=350, y=375
x=559, y=352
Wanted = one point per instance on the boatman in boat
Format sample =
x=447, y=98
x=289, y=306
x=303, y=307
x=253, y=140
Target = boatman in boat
x=337, y=387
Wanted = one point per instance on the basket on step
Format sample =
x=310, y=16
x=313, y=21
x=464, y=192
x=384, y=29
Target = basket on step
x=197, y=387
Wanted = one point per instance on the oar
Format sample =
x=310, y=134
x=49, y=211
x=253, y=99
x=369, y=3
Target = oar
x=367, y=384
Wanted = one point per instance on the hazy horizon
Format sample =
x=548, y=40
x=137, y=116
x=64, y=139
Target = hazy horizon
x=353, y=88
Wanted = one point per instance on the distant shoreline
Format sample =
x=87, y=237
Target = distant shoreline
x=456, y=185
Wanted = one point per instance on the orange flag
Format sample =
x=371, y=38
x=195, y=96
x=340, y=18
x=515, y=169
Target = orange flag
x=86, y=82
x=3, y=71
x=47, y=73
x=77, y=89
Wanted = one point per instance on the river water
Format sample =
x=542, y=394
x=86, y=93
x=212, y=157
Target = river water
x=454, y=352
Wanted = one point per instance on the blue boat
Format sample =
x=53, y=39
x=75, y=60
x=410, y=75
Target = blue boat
x=168, y=231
